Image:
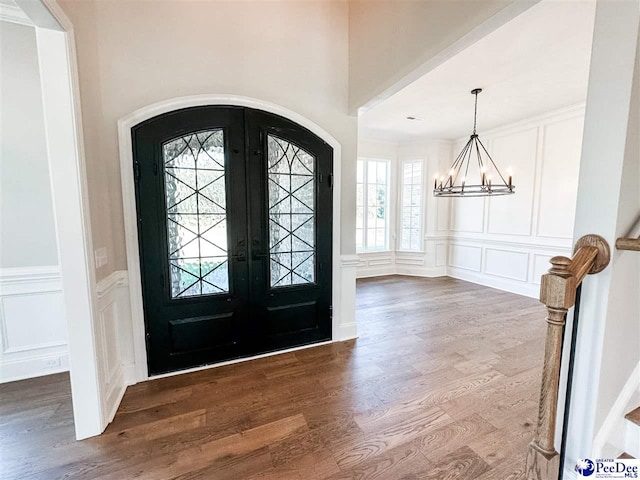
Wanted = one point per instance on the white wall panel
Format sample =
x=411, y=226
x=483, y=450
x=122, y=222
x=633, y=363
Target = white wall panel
x=115, y=351
x=33, y=329
x=25, y=190
x=507, y=264
x=441, y=254
x=442, y=212
x=467, y=215
x=466, y=257
x=559, y=182
x=541, y=265
x=511, y=214
x=33, y=320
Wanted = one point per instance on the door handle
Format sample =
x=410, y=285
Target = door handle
x=241, y=257
x=258, y=256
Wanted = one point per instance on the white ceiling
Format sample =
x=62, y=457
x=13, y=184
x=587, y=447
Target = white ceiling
x=535, y=63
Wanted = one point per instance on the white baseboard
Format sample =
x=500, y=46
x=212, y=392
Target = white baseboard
x=513, y=286
x=130, y=374
x=413, y=271
x=347, y=331
x=35, y=365
x=33, y=338
x=368, y=272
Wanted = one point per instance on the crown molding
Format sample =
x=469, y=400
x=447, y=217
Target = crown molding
x=14, y=14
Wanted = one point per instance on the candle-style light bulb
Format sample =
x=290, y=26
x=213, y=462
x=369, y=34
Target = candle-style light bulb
x=435, y=182
x=489, y=181
x=450, y=181
x=510, y=173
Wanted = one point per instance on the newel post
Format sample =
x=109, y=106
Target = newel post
x=558, y=293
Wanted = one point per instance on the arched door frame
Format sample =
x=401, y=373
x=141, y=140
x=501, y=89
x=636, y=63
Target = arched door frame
x=125, y=124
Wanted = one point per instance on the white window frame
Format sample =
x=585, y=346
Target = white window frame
x=402, y=204
x=388, y=207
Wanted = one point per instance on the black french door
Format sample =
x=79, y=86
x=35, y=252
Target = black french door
x=235, y=226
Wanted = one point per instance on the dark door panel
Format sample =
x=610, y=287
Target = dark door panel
x=234, y=209
x=291, y=218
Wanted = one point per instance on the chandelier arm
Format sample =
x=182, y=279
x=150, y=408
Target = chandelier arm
x=466, y=172
x=494, y=164
x=460, y=155
x=457, y=166
x=480, y=163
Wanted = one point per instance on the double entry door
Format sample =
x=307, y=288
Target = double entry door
x=235, y=225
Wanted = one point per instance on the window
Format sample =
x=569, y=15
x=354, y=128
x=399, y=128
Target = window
x=372, y=216
x=411, y=215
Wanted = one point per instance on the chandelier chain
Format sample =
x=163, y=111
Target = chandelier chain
x=475, y=113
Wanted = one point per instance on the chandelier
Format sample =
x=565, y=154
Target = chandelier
x=458, y=182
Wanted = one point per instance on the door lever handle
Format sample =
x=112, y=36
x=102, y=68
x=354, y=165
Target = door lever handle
x=241, y=257
x=258, y=256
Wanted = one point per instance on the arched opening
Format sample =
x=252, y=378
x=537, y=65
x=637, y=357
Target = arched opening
x=269, y=122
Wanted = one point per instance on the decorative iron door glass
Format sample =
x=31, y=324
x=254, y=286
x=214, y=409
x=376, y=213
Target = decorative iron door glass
x=196, y=214
x=235, y=216
x=291, y=213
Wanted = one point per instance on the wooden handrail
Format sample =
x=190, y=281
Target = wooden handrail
x=558, y=294
x=626, y=243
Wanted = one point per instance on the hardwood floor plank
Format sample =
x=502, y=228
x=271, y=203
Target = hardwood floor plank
x=353, y=451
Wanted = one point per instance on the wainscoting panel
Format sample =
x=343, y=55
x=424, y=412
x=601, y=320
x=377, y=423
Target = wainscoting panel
x=33, y=328
x=541, y=265
x=115, y=352
x=507, y=264
x=375, y=264
x=441, y=254
x=466, y=257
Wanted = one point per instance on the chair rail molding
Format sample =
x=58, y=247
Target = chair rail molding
x=342, y=290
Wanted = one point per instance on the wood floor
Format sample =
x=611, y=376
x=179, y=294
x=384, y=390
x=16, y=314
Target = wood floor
x=442, y=384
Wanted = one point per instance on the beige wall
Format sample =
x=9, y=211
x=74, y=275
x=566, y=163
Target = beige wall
x=132, y=54
x=27, y=227
x=390, y=39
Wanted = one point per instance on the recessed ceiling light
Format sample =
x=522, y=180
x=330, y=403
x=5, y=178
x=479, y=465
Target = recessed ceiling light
x=413, y=118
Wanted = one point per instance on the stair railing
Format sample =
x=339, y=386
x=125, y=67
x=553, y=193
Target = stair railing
x=628, y=242
x=558, y=293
